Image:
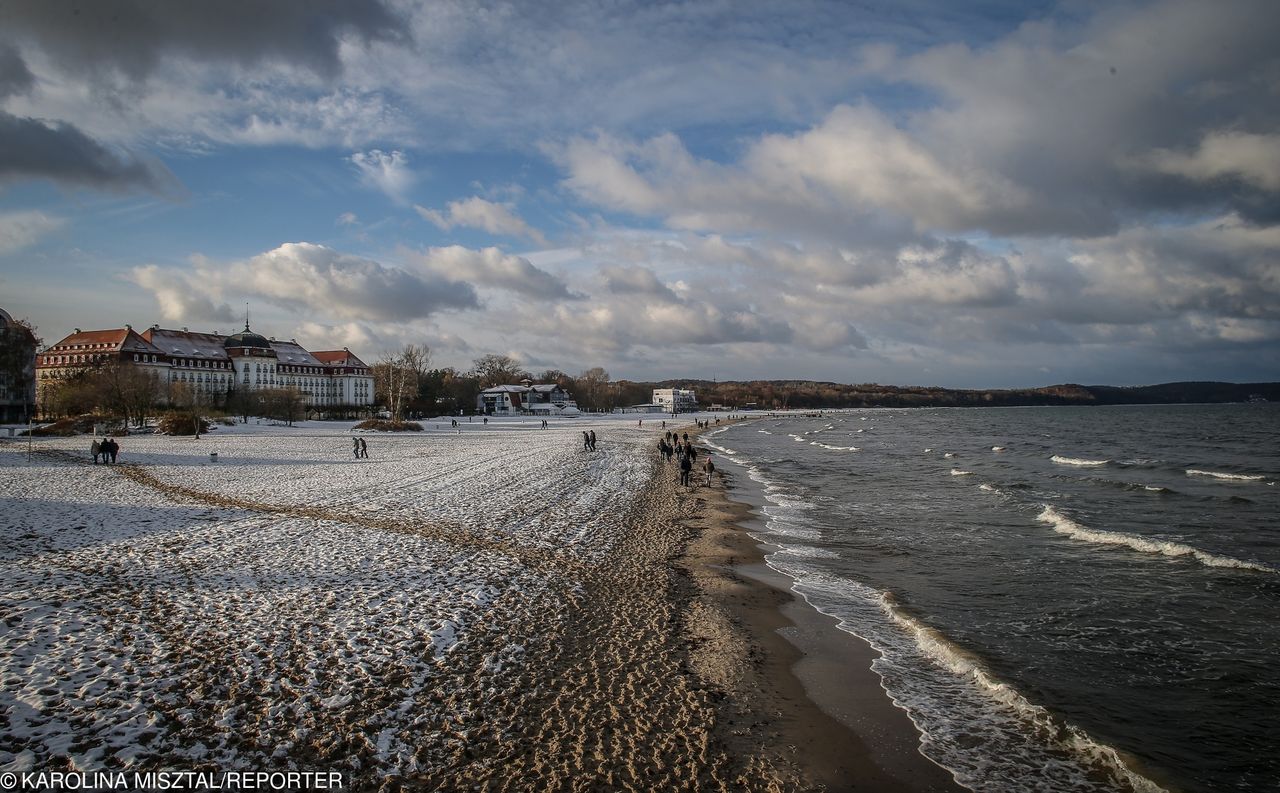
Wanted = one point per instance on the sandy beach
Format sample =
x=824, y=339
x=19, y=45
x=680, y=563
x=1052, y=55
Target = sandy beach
x=493, y=608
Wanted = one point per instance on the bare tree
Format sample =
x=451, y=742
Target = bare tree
x=492, y=370
x=127, y=391
x=397, y=377
x=592, y=389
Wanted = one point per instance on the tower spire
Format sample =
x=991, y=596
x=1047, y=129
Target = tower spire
x=246, y=317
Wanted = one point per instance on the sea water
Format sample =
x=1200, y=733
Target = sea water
x=1066, y=599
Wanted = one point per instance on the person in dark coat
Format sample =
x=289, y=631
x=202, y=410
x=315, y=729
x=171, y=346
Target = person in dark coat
x=355, y=447
x=586, y=441
x=686, y=466
x=364, y=448
x=111, y=448
x=593, y=440
x=95, y=449
x=710, y=468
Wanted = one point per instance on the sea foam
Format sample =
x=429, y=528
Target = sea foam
x=1229, y=477
x=1064, y=525
x=1076, y=461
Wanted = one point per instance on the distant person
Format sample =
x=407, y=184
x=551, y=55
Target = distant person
x=686, y=466
x=686, y=437
x=355, y=447
x=640, y=423
x=586, y=441
x=113, y=449
x=364, y=448
x=710, y=468
x=593, y=440
x=95, y=449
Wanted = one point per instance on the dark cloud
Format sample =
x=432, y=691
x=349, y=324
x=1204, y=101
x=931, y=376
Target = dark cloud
x=30, y=148
x=15, y=77
x=131, y=37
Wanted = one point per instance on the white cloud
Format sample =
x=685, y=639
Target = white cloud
x=1252, y=158
x=181, y=298
x=476, y=212
x=23, y=229
x=385, y=171
x=307, y=279
x=491, y=267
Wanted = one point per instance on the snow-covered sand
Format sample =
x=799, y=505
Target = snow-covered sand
x=289, y=601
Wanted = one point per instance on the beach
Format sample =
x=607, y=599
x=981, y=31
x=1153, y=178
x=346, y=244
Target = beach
x=487, y=608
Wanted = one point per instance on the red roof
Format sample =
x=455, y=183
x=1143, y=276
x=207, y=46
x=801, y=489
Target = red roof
x=338, y=358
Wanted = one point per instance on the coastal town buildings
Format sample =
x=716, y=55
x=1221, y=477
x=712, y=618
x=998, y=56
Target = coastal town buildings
x=526, y=398
x=676, y=400
x=17, y=370
x=211, y=366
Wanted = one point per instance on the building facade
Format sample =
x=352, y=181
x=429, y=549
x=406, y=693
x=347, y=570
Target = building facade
x=210, y=366
x=676, y=400
x=527, y=398
x=17, y=370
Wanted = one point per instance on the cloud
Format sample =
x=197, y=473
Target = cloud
x=15, y=77
x=20, y=230
x=311, y=280
x=131, y=39
x=1252, y=158
x=181, y=298
x=347, y=219
x=385, y=171
x=476, y=212
x=33, y=149
x=636, y=281
x=492, y=267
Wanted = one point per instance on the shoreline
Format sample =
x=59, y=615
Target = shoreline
x=809, y=681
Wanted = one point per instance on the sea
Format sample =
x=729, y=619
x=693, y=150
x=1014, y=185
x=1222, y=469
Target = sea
x=1063, y=598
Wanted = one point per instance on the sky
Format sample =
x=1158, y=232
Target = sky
x=919, y=192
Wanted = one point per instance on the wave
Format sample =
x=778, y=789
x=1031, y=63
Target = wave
x=949, y=455
x=1230, y=477
x=766, y=432
x=926, y=451
x=997, y=448
x=1064, y=525
x=988, y=488
x=958, y=472
x=1076, y=461
x=958, y=704
x=835, y=448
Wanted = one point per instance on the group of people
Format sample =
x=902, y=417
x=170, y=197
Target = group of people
x=106, y=449
x=588, y=440
x=673, y=446
x=359, y=448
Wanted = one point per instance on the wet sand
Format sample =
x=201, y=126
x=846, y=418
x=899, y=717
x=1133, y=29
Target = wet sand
x=778, y=658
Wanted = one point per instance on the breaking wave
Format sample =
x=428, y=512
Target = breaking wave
x=1076, y=461
x=1064, y=525
x=1221, y=475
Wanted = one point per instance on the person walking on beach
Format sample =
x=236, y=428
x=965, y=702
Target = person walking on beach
x=586, y=441
x=593, y=440
x=710, y=469
x=686, y=466
x=355, y=447
x=95, y=449
x=690, y=452
x=364, y=448
x=112, y=448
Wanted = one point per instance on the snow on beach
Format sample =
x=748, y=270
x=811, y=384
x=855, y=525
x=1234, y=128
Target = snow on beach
x=288, y=602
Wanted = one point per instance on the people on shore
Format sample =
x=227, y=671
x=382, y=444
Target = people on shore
x=364, y=448
x=586, y=441
x=710, y=468
x=95, y=449
x=593, y=440
x=686, y=466
x=355, y=447
x=109, y=450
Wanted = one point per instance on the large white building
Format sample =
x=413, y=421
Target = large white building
x=212, y=366
x=676, y=400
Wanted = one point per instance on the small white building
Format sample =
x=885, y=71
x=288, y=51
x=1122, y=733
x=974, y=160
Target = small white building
x=676, y=400
x=526, y=399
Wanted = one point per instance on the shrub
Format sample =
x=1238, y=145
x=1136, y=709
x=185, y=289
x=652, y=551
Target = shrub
x=76, y=425
x=177, y=422
x=383, y=425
